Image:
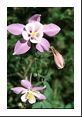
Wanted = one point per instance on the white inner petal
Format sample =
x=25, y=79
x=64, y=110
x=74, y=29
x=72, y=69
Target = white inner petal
x=32, y=100
x=38, y=27
x=30, y=97
x=29, y=27
x=34, y=32
x=25, y=35
x=23, y=98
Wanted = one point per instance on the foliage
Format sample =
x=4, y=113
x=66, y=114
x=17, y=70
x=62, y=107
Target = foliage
x=59, y=83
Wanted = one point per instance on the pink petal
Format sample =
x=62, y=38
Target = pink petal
x=44, y=45
x=39, y=47
x=21, y=47
x=15, y=29
x=51, y=29
x=35, y=17
x=27, y=84
x=40, y=96
x=38, y=88
x=18, y=90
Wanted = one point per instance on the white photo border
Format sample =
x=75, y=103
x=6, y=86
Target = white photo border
x=77, y=58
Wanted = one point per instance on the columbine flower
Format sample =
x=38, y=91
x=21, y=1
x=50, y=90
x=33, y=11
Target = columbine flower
x=58, y=58
x=32, y=33
x=29, y=92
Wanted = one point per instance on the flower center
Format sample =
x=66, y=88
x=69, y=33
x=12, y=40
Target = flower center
x=34, y=34
x=29, y=95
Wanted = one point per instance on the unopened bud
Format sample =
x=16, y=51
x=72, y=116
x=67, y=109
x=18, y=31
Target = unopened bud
x=58, y=58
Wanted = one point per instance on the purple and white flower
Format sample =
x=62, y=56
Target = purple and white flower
x=29, y=92
x=32, y=32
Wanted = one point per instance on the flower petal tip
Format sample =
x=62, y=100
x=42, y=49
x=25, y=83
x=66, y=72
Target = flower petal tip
x=14, y=53
x=61, y=66
x=59, y=28
x=44, y=86
x=45, y=98
x=12, y=89
x=39, y=14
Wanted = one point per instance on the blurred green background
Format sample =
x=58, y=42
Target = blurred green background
x=60, y=83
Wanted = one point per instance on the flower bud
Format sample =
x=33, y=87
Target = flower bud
x=58, y=58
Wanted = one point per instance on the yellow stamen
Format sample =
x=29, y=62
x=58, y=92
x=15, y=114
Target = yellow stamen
x=34, y=34
x=30, y=95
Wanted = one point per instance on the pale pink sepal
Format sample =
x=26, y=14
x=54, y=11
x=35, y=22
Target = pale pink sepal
x=15, y=29
x=18, y=90
x=51, y=29
x=44, y=45
x=27, y=84
x=35, y=17
x=21, y=47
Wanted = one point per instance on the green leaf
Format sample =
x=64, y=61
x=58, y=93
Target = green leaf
x=42, y=104
x=37, y=105
x=69, y=105
x=46, y=104
x=48, y=91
